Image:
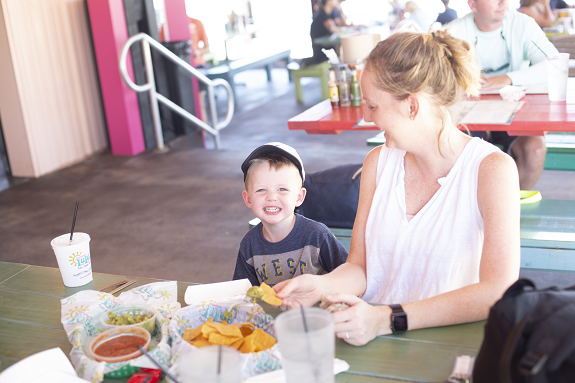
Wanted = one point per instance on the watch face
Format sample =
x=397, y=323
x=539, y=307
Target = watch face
x=399, y=323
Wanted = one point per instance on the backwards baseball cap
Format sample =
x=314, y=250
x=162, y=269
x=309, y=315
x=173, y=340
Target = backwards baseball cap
x=275, y=148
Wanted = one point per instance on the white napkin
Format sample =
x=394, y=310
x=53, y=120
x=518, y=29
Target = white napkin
x=513, y=93
x=215, y=291
x=278, y=376
x=49, y=366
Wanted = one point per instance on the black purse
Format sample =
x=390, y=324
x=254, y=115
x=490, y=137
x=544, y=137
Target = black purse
x=332, y=196
x=529, y=337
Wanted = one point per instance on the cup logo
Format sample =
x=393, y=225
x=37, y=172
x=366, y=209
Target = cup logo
x=78, y=259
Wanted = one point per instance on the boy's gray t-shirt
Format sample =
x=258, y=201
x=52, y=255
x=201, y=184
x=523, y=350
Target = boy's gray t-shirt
x=310, y=248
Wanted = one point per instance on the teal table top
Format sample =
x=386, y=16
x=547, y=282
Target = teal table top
x=30, y=323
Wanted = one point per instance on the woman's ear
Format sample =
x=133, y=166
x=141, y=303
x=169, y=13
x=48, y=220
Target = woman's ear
x=413, y=105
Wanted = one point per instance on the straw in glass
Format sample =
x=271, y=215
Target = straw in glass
x=74, y=221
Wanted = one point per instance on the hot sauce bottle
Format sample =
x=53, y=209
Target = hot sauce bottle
x=333, y=90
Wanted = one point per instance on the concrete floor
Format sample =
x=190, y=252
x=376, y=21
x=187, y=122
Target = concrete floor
x=180, y=215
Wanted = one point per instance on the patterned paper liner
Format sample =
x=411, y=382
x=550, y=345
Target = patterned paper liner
x=237, y=309
x=81, y=319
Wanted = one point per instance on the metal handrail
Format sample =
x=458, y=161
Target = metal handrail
x=150, y=87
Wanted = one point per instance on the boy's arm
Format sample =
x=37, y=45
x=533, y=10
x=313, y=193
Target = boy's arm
x=331, y=252
x=244, y=270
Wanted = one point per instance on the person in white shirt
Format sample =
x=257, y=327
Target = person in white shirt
x=502, y=40
x=436, y=235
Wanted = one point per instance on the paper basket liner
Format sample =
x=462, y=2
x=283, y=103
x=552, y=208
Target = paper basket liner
x=233, y=310
x=81, y=320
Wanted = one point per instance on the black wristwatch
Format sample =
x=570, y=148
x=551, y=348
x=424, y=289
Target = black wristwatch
x=398, y=319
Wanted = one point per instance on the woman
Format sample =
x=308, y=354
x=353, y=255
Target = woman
x=323, y=24
x=437, y=226
x=540, y=10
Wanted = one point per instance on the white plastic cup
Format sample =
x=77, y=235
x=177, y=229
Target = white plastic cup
x=557, y=74
x=307, y=357
x=201, y=366
x=73, y=258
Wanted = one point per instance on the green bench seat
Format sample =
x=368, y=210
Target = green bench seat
x=547, y=235
x=560, y=150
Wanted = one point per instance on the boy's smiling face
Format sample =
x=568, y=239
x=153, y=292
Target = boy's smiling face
x=273, y=194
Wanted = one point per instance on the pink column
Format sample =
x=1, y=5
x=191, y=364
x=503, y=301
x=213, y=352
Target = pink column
x=109, y=33
x=177, y=21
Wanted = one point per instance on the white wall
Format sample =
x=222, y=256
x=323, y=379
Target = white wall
x=49, y=99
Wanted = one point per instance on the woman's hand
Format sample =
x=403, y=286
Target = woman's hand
x=360, y=323
x=304, y=290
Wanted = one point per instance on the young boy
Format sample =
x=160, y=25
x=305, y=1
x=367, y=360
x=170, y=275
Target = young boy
x=284, y=244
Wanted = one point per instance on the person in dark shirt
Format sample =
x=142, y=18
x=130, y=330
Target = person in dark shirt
x=447, y=16
x=559, y=4
x=323, y=24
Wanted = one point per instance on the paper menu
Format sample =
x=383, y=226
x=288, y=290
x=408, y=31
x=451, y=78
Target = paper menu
x=487, y=112
x=215, y=291
x=48, y=366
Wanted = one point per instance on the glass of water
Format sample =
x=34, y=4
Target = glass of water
x=307, y=356
x=211, y=364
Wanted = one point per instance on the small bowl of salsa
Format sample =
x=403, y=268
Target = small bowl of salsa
x=120, y=344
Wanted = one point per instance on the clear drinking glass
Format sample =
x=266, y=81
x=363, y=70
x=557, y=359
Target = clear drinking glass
x=307, y=357
x=557, y=74
x=201, y=366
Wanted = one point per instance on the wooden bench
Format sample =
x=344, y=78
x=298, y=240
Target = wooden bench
x=560, y=150
x=547, y=235
x=228, y=70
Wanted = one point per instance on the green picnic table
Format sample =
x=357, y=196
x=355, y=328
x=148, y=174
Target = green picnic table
x=30, y=322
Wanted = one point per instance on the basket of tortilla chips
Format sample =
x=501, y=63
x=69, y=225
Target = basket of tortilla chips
x=236, y=322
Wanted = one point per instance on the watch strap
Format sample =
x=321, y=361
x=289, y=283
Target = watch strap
x=398, y=319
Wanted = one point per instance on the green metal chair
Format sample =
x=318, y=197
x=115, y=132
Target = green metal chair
x=318, y=70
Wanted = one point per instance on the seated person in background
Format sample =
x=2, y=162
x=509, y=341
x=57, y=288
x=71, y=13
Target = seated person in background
x=284, y=244
x=448, y=16
x=200, y=45
x=436, y=235
x=559, y=4
x=540, y=10
x=322, y=25
x=503, y=40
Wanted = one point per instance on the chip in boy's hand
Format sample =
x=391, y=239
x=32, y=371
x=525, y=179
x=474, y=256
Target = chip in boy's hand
x=266, y=293
x=241, y=336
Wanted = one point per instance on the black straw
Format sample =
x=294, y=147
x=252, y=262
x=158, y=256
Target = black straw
x=74, y=221
x=219, y=358
x=539, y=48
x=303, y=318
x=164, y=370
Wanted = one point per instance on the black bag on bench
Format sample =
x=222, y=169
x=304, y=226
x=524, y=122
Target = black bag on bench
x=332, y=195
x=529, y=337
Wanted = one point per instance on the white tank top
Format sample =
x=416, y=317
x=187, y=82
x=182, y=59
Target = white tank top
x=439, y=249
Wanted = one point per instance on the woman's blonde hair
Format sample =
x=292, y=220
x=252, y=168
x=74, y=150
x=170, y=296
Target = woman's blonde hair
x=435, y=63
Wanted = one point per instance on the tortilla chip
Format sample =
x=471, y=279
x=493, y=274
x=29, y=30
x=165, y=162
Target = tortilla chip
x=248, y=345
x=201, y=343
x=192, y=334
x=224, y=340
x=228, y=330
x=237, y=344
x=262, y=340
x=246, y=331
x=272, y=300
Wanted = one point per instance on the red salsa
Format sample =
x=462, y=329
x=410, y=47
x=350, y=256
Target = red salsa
x=122, y=345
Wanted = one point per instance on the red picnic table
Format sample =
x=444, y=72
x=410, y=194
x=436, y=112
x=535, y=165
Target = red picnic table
x=537, y=116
